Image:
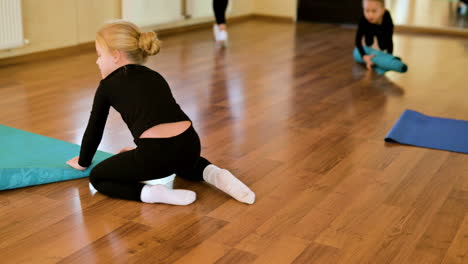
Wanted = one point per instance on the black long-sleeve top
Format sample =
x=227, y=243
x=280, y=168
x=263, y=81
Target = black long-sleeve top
x=383, y=32
x=141, y=96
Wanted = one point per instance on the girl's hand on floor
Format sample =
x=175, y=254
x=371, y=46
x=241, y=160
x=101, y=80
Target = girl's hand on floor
x=74, y=164
x=368, y=60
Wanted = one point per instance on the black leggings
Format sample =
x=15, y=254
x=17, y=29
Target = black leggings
x=120, y=176
x=219, y=8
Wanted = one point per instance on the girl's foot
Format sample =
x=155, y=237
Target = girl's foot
x=228, y=183
x=220, y=34
x=161, y=194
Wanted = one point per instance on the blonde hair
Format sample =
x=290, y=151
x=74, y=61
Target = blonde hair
x=128, y=38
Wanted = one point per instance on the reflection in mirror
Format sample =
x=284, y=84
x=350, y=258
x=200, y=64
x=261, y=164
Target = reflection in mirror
x=429, y=13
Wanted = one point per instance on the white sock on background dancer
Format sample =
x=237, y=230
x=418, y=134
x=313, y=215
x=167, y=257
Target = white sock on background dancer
x=228, y=183
x=161, y=194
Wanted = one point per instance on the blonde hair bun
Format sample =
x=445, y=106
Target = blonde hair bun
x=149, y=43
x=127, y=37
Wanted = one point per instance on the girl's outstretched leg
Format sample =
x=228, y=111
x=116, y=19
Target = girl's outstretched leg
x=228, y=183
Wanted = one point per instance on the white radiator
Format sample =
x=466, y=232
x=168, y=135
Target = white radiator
x=11, y=24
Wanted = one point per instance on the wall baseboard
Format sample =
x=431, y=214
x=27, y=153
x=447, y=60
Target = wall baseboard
x=48, y=54
x=166, y=30
x=162, y=30
x=448, y=32
x=271, y=18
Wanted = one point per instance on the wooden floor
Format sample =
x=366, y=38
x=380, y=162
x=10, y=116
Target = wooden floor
x=289, y=112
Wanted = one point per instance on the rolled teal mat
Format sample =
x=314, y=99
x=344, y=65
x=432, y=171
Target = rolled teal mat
x=28, y=159
x=383, y=61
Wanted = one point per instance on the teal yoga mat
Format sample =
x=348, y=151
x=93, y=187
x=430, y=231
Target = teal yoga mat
x=383, y=61
x=28, y=159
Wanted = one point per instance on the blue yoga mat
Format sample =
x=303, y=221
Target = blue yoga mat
x=420, y=130
x=28, y=159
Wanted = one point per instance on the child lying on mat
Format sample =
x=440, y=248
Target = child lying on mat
x=376, y=22
x=166, y=140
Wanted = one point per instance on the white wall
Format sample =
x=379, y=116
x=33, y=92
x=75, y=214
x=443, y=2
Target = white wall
x=52, y=24
x=151, y=12
x=279, y=8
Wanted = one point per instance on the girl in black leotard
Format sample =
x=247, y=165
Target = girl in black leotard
x=376, y=22
x=166, y=141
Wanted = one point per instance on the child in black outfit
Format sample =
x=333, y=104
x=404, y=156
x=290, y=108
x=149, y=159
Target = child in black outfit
x=376, y=22
x=167, y=143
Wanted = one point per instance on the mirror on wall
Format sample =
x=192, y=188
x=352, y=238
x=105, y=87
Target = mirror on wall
x=440, y=14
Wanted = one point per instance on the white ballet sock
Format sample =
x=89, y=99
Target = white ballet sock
x=220, y=35
x=92, y=189
x=161, y=194
x=228, y=183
